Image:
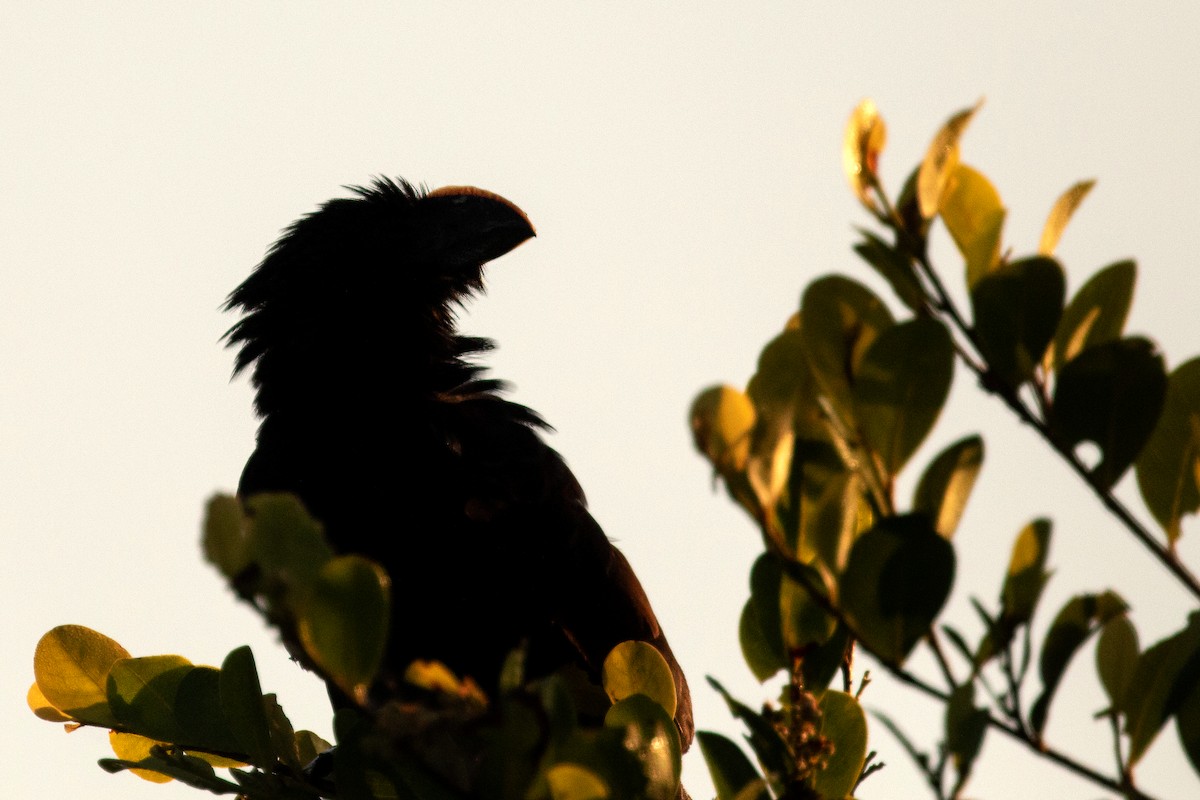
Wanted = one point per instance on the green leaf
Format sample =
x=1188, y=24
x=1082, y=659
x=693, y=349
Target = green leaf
x=198, y=711
x=731, y=771
x=1096, y=314
x=895, y=266
x=1187, y=724
x=142, y=691
x=1117, y=657
x=1061, y=214
x=285, y=539
x=804, y=622
x=896, y=582
x=830, y=522
x=765, y=580
x=1111, y=395
x=651, y=735
x=844, y=723
x=633, y=668
x=344, y=621
x=971, y=208
x=839, y=319
x=764, y=658
x=1016, y=311
x=1168, y=467
x=965, y=726
x=900, y=388
x=946, y=485
x=940, y=161
x=71, y=665
x=1077, y=620
x=820, y=664
x=242, y=706
x=1166, y=675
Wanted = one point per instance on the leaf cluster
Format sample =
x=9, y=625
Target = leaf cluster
x=841, y=400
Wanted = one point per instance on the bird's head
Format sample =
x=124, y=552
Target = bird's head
x=376, y=275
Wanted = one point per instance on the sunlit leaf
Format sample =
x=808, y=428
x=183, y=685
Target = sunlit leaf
x=940, y=161
x=839, y=320
x=865, y=137
x=1168, y=467
x=1079, y=618
x=900, y=388
x=844, y=723
x=71, y=665
x=1016, y=309
x=1116, y=657
x=830, y=521
x=573, y=782
x=896, y=582
x=141, y=694
x=1167, y=673
x=722, y=420
x=1096, y=314
x=638, y=668
x=731, y=771
x=1061, y=214
x=943, y=490
x=42, y=707
x=895, y=267
x=1110, y=395
x=131, y=747
x=974, y=216
x=344, y=622
x=1027, y=574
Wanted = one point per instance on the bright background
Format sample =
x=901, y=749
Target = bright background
x=682, y=166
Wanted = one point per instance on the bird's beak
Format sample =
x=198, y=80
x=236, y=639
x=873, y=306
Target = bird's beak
x=478, y=225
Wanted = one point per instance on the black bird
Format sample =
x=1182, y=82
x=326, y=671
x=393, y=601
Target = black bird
x=375, y=414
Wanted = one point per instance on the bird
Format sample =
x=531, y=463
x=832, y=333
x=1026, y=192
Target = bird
x=375, y=412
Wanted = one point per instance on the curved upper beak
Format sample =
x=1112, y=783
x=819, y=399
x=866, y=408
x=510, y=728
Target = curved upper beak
x=477, y=225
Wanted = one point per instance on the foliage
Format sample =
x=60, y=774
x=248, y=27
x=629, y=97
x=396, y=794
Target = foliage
x=437, y=737
x=841, y=400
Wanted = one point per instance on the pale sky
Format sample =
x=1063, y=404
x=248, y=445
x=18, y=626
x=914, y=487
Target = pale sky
x=682, y=166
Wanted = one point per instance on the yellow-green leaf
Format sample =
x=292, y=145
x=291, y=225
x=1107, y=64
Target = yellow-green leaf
x=733, y=776
x=1116, y=657
x=1061, y=214
x=141, y=694
x=71, y=665
x=575, y=782
x=971, y=208
x=722, y=420
x=940, y=160
x=638, y=668
x=225, y=535
x=651, y=735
